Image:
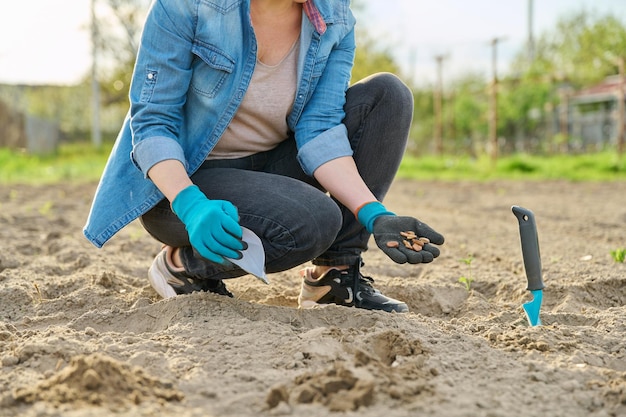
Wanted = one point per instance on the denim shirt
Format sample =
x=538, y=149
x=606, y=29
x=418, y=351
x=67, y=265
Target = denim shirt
x=194, y=65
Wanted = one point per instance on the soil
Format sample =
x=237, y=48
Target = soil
x=83, y=334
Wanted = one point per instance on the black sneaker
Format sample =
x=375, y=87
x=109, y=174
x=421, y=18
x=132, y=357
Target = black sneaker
x=347, y=288
x=169, y=282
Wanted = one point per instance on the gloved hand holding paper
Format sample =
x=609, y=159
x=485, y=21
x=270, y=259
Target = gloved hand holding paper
x=253, y=258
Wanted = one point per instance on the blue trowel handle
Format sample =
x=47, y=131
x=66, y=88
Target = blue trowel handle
x=530, y=247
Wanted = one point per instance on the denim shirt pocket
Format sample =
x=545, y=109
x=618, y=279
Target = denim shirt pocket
x=211, y=68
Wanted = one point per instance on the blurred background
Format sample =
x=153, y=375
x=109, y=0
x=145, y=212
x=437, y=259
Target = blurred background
x=489, y=77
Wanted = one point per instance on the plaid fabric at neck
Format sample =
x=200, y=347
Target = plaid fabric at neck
x=314, y=16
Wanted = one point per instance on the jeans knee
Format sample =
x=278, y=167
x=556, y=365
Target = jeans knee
x=325, y=225
x=391, y=90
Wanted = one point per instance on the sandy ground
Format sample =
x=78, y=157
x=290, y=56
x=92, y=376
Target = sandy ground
x=83, y=334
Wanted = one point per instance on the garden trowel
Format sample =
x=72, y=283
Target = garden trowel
x=532, y=262
x=253, y=258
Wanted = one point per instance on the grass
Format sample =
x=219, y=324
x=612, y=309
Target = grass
x=81, y=162
x=75, y=162
x=604, y=166
x=467, y=280
x=619, y=255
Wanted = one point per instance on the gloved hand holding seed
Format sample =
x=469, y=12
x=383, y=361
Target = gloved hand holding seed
x=397, y=236
x=390, y=228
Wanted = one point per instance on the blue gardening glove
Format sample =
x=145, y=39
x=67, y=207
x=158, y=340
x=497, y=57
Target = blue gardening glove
x=213, y=225
x=387, y=227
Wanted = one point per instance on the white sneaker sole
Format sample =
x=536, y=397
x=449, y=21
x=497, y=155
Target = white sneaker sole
x=158, y=281
x=308, y=304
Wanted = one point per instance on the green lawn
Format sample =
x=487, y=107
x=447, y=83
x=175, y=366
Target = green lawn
x=80, y=162
x=588, y=167
x=77, y=162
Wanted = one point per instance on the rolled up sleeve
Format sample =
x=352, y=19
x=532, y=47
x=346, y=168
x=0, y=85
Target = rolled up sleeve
x=150, y=152
x=331, y=144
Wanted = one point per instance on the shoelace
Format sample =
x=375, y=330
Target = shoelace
x=366, y=283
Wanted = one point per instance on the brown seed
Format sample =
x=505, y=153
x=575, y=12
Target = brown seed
x=407, y=244
x=408, y=234
x=417, y=242
x=417, y=247
x=392, y=244
x=424, y=239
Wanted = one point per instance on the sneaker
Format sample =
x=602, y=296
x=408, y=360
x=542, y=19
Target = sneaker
x=346, y=287
x=169, y=282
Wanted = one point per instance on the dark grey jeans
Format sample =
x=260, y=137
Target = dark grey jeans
x=294, y=217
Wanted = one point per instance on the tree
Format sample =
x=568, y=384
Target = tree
x=371, y=58
x=119, y=28
x=469, y=110
x=581, y=51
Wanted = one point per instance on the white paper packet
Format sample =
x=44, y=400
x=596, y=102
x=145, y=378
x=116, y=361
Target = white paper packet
x=253, y=259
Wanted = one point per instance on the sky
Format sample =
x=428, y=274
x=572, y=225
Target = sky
x=44, y=41
x=461, y=31
x=47, y=41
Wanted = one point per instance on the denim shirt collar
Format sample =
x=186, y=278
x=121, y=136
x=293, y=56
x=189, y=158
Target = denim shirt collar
x=314, y=15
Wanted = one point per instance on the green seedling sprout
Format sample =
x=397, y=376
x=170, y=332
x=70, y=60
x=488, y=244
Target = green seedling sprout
x=467, y=280
x=619, y=255
x=46, y=208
